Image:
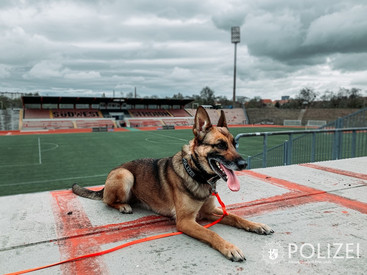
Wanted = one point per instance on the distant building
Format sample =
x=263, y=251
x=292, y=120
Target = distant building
x=12, y=95
x=267, y=102
x=284, y=99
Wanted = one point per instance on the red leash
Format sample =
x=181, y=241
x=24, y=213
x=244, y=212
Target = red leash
x=161, y=236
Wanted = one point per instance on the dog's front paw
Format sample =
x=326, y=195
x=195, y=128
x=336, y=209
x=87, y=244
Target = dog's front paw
x=233, y=253
x=125, y=209
x=261, y=228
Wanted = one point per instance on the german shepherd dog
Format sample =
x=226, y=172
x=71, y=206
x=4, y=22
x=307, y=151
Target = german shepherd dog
x=181, y=186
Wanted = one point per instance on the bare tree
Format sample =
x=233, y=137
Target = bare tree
x=306, y=96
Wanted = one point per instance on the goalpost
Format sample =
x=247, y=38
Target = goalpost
x=315, y=123
x=292, y=122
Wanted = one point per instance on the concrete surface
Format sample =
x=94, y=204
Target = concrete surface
x=318, y=212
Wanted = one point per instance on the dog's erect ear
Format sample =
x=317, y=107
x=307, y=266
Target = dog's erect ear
x=222, y=120
x=202, y=123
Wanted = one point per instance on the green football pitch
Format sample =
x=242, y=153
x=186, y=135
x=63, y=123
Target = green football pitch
x=33, y=163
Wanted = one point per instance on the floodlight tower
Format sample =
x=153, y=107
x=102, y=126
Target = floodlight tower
x=235, y=31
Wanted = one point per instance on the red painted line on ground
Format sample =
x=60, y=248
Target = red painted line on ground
x=336, y=171
x=272, y=204
x=317, y=195
x=70, y=218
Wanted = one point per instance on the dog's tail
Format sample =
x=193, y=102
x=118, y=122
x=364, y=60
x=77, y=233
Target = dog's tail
x=86, y=193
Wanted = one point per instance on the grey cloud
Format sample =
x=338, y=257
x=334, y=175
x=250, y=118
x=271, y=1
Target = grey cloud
x=294, y=31
x=276, y=36
x=229, y=18
x=349, y=62
x=4, y=71
x=21, y=47
x=342, y=31
x=162, y=47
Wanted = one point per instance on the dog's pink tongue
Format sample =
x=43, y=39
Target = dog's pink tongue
x=232, y=180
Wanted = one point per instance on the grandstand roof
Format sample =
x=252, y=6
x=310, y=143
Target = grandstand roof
x=97, y=100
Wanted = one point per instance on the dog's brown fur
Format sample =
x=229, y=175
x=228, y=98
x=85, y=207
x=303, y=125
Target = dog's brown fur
x=166, y=187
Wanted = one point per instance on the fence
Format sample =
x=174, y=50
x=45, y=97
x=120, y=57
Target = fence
x=9, y=119
x=308, y=146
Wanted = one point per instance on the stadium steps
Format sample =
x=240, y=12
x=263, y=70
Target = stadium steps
x=314, y=209
x=301, y=114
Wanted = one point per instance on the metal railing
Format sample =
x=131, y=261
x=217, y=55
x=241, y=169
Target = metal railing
x=308, y=146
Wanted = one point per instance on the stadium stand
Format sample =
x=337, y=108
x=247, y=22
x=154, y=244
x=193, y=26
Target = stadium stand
x=163, y=121
x=234, y=116
x=158, y=118
x=136, y=123
x=149, y=113
x=41, y=124
x=179, y=113
x=86, y=112
x=36, y=114
x=71, y=113
x=91, y=123
x=213, y=114
x=191, y=112
x=35, y=119
x=179, y=121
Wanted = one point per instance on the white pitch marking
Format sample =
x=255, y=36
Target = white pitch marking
x=181, y=139
x=52, y=148
x=39, y=151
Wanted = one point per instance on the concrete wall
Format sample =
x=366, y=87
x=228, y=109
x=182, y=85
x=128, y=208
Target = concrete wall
x=326, y=114
x=258, y=115
x=275, y=115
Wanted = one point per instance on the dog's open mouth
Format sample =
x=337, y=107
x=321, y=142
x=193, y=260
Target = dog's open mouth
x=226, y=174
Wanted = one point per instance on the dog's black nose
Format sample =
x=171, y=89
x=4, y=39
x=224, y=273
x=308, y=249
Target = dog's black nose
x=241, y=163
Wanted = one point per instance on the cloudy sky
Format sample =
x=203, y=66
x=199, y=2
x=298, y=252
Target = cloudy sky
x=162, y=47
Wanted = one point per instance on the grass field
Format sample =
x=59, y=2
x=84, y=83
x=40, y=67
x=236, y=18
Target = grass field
x=32, y=163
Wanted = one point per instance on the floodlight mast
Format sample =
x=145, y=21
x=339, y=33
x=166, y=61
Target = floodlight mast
x=235, y=37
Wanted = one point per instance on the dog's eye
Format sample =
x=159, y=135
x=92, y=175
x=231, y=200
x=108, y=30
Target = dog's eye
x=222, y=145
